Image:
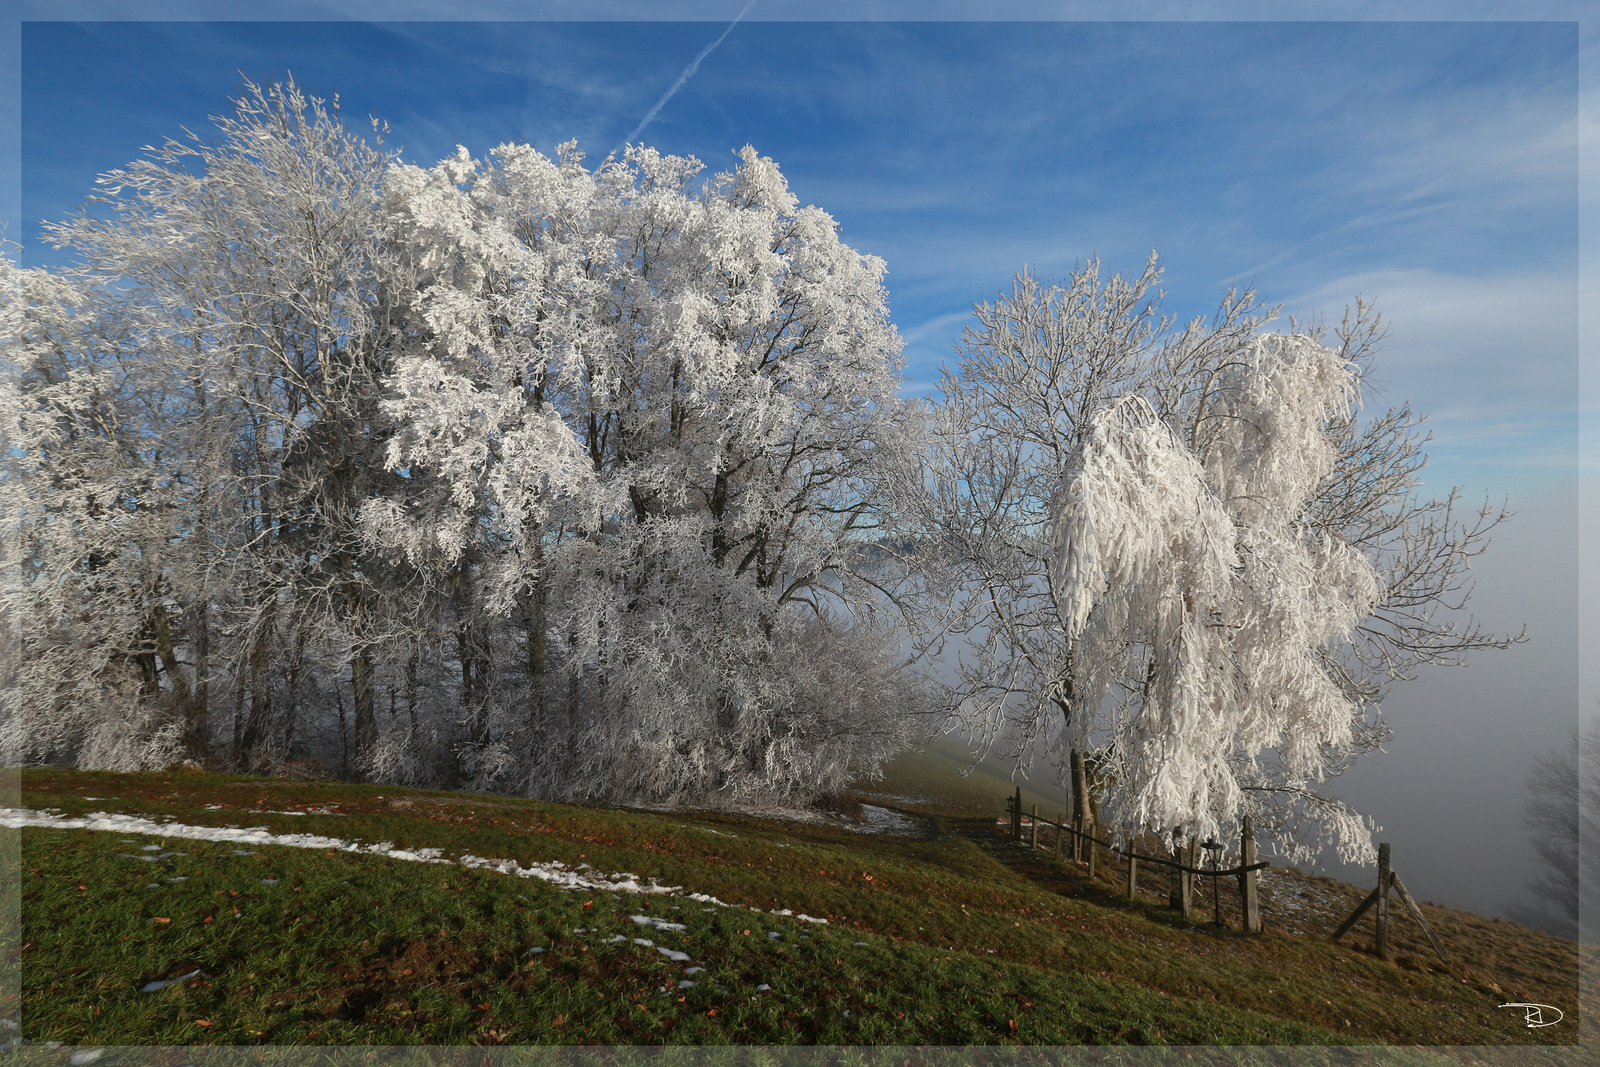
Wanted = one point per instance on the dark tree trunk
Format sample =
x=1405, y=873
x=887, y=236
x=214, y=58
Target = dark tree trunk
x=534, y=627
x=361, y=681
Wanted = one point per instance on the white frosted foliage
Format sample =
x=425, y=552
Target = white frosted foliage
x=505, y=473
x=638, y=416
x=1197, y=561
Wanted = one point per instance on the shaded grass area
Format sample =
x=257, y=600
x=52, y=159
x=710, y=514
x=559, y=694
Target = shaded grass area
x=942, y=941
x=943, y=777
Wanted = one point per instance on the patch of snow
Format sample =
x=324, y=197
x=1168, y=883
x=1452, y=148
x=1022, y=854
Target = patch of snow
x=151, y=987
x=673, y=955
x=554, y=872
x=876, y=820
x=560, y=874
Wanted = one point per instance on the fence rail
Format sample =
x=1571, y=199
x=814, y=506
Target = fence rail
x=1182, y=873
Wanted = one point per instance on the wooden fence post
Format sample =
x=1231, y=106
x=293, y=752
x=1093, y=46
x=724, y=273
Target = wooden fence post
x=1033, y=828
x=1080, y=802
x=1090, y=843
x=1416, y=913
x=1061, y=820
x=1016, y=816
x=1190, y=860
x=1133, y=871
x=1383, y=901
x=1377, y=897
x=1182, y=895
x=1251, y=905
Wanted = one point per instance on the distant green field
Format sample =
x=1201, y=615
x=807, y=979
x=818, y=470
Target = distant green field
x=936, y=773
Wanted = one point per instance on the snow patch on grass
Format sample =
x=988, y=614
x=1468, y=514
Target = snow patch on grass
x=554, y=872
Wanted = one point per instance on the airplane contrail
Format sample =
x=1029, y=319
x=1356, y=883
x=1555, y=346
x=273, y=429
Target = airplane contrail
x=688, y=72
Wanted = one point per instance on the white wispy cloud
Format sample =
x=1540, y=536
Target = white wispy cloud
x=688, y=72
x=1492, y=361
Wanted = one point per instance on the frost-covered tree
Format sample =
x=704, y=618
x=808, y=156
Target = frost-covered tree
x=1563, y=809
x=1203, y=576
x=642, y=418
x=89, y=593
x=1034, y=369
x=246, y=269
x=501, y=473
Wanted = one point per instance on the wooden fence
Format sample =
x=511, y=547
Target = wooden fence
x=1389, y=881
x=1085, y=847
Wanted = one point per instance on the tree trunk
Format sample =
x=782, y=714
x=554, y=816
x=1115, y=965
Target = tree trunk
x=361, y=681
x=1182, y=895
x=195, y=735
x=256, y=722
x=474, y=671
x=534, y=627
x=1080, y=803
x=291, y=711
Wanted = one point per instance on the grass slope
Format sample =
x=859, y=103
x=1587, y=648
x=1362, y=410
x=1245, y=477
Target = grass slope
x=957, y=939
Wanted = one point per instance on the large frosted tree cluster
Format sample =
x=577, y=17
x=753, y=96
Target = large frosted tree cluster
x=504, y=473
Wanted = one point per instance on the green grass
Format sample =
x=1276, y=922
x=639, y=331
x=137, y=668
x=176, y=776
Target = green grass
x=929, y=942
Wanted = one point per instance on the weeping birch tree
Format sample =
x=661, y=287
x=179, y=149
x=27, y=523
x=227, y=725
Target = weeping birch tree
x=1043, y=374
x=1201, y=576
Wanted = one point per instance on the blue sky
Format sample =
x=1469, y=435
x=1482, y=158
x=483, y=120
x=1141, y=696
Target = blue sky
x=1432, y=167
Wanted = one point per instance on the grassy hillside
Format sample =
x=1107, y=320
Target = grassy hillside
x=953, y=936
